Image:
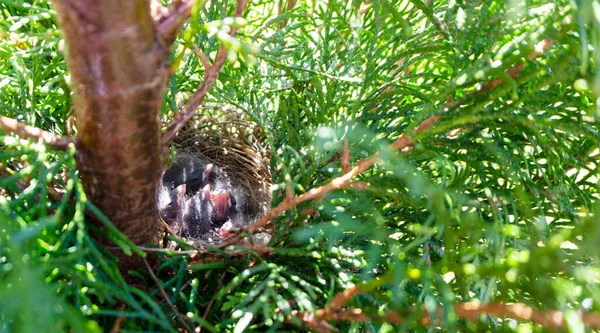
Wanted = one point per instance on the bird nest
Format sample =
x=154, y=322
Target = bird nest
x=226, y=138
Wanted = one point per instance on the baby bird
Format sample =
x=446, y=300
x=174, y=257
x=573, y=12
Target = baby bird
x=196, y=199
x=170, y=202
x=196, y=217
x=222, y=204
x=189, y=171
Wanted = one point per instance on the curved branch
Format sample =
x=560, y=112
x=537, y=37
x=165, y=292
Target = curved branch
x=170, y=24
x=25, y=131
x=337, y=183
x=550, y=319
x=162, y=292
x=404, y=144
x=210, y=77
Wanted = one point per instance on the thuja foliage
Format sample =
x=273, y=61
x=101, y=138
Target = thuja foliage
x=494, y=204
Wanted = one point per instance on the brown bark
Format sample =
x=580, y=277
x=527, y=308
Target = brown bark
x=119, y=71
x=29, y=132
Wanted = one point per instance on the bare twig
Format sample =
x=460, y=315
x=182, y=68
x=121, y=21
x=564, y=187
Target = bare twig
x=211, y=256
x=315, y=193
x=212, y=299
x=548, y=319
x=29, y=132
x=119, y=321
x=289, y=193
x=314, y=323
x=404, y=143
x=346, y=159
x=25, y=182
x=203, y=58
x=358, y=185
x=117, y=326
x=210, y=76
x=341, y=298
x=157, y=250
x=166, y=297
x=551, y=319
x=514, y=71
x=469, y=311
x=280, y=11
x=170, y=24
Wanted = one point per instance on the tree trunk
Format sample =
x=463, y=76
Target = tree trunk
x=118, y=70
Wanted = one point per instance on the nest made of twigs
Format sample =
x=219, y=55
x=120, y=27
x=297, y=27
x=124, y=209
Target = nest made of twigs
x=226, y=137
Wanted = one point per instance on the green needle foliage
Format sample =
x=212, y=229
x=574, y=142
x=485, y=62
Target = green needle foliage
x=495, y=203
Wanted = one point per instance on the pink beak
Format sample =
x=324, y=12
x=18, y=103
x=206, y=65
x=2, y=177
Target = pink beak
x=205, y=192
x=180, y=193
x=206, y=170
x=221, y=203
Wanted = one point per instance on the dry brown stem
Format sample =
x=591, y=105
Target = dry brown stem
x=166, y=298
x=208, y=256
x=290, y=6
x=341, y=299
x=118, y=322
x=210, y=76
x=314, y=323
x=24, y=131
x=403, y=144
x=548, y=319
x=56, y=193
x=551, y=319
x=170, y=24
x=289, y=193
x=203, y=58
x=315, y=193
x=318, y=321
x=346, y=159
x=514, y=71
x=212, y=299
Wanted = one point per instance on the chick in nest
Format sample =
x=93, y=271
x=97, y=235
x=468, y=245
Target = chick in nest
x=197, y=198
x=221, y=149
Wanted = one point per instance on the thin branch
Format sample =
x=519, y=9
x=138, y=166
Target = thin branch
x=315, y=193
x=290, y=6
x=193, y=254
x=170, y=24
x=289, y=192
x=210, y=76
x=208, y=256
x=515, y=70
x=346, y=159
x=404, y=143
x=166, y=297
x=119, y=321
x=203, y=58
x=548, y=319
x=212, y=299
x=551, y=319
x=25, y=182
x=341, y=298
x=158, y=250
x=10, y=125
x=466, y=310
x=314, y=323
